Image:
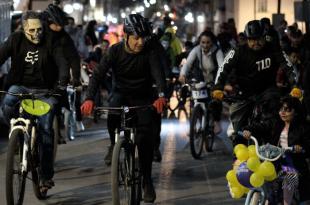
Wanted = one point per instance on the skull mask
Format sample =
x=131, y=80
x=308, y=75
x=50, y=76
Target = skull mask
x=33, y=30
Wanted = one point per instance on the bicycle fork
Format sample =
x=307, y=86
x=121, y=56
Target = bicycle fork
x=24, y=129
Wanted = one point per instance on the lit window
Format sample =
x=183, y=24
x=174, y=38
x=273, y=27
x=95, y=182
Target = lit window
x=262, y=5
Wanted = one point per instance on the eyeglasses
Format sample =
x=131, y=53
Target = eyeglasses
x=285, y=109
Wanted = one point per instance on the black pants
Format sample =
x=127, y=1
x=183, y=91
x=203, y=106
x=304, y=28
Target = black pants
x=144, y=137
x=241, y=111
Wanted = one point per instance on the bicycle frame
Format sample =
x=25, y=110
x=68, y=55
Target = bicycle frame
x=15, y=125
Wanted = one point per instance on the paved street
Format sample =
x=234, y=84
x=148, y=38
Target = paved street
x=82, y=177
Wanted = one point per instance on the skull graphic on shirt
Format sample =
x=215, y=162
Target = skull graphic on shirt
x=33, y=30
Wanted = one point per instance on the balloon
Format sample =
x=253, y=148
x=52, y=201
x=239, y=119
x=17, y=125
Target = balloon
x=253, y=163
x=266, y=169
x=237, y=192
x=242, y=154
x=272, y=177
x=238, y=147
x=256, y=180
x=231, y=177
x=252, y=151
x=243, y=175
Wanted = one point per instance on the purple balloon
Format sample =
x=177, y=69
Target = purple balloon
x=244, y=174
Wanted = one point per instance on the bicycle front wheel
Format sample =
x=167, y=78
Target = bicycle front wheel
x=15, y=178
x=196, y=132
x=209, y=137
x=124, y=183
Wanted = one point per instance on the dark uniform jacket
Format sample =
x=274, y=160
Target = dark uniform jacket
x=133, y=74
x=253, y=71
x=51, y=62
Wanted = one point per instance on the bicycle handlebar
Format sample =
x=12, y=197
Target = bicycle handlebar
x=30, y=95
x=119, y=110
x=270, y=148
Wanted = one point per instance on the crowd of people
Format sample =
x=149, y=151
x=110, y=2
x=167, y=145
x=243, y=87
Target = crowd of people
x=262, y=66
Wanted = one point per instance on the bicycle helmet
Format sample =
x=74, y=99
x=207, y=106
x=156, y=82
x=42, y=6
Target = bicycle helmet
x=135, y=24
x=54, y=14
x=254, y=29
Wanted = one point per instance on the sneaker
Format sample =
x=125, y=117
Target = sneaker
x=79, y=126
x=157, y=156
x=149, y=193
x=108, y=156
x=61, y=140
x=49, y=183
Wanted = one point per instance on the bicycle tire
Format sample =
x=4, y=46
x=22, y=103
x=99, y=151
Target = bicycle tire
x=56, y=136
x=36, y=177
x=196, y=133
x=209, y=137
x=255, y=199
x=137, y=185
x=15, y=149
x=122, y=174
x=69, y=125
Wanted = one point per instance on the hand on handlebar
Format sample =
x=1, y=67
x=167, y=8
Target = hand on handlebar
x=297, y=149
x=159, y=104
x=217, y=94
x=87, y=107
x=246, y=134
x=182, y=79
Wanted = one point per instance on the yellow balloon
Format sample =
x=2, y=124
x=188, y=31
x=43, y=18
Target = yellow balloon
x=253, y=163
x=238, y=147
x=266, y=169
x=231, y=177
x=252, y=151
x=237, y=192
x=256, y=180
x=272, y=177
x=242, y=154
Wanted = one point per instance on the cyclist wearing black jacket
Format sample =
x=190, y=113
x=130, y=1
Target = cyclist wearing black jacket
x=135, y=66
x=36, y=68
x=56, y=19
x=251, y=68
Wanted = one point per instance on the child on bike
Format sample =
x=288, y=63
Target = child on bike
x=290, y=130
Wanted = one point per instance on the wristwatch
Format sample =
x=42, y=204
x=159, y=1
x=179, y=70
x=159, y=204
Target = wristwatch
x=161, y=94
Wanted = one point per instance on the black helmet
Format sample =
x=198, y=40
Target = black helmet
x=254, y=29
x=54, y=14
x=135, y=24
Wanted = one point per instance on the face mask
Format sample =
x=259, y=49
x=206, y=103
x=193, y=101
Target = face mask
x=33, y=30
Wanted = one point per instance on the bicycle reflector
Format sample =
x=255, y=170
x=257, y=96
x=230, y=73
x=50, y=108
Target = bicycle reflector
x=35, y=107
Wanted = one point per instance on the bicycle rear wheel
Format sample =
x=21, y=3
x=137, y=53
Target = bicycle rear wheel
x=56, y=136
x=126, y=186
x=15, y=179
x=41, y=195
x=196, y=132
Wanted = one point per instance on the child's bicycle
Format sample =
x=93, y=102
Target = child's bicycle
x=23, y=152
x=267, y=152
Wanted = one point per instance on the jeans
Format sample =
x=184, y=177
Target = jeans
x=45, y=134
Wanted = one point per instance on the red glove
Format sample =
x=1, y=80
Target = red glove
x=159, y=104
x=87, y=107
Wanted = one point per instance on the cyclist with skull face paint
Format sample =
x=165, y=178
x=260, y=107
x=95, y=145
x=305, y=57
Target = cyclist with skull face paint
x=135, y=66
x=252, y=69
x=34, y=70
